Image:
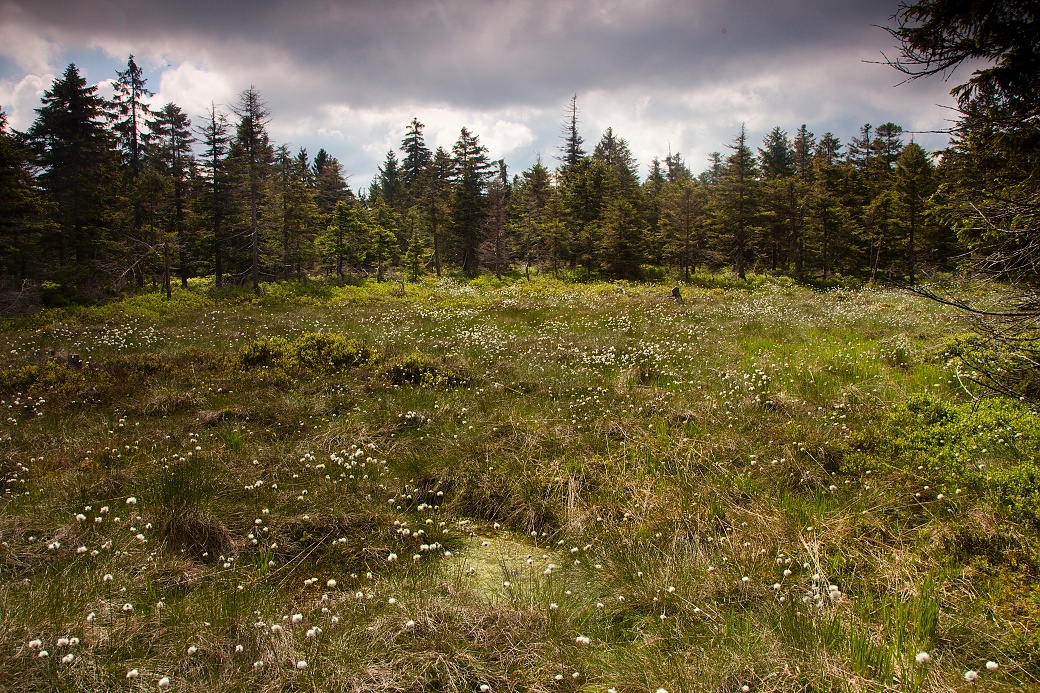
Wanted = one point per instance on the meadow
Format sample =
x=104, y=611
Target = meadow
x=512, y=486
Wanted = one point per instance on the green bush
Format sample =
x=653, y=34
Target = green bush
x=314, y=351
x=1017, y=490
x=419, y=369
x=263, y=352
x=325, y=352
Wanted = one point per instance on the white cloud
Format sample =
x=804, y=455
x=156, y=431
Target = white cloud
x=193, y=89
x=31, y=51
x=20, y=99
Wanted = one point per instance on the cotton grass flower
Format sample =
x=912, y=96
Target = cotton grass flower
x=133, y=674
x=67, y=659
x=302, y=664
x=922, y=658
x=992, y=666
x=971, y=675
x=164, y=682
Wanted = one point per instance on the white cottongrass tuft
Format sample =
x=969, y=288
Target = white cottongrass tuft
x=970, y=675
x=302, y=664
x=992, y=666
x=923, y=658
x=133, y=674
x=164, y=682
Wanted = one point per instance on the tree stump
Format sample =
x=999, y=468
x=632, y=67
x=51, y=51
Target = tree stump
x=677, y=295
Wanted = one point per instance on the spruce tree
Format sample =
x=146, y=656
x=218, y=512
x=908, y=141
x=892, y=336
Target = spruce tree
x=471, y=171
x=683, y=217
x=77, y=167
x=571, y=151
x=22, y=217
x=169, y=153
x=914, y=185
x=736, y=204
x=434, y=202
x=417, y=156
x=214, y=202
x=252, y=150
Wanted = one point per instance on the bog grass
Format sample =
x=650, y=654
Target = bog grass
x=518, y=485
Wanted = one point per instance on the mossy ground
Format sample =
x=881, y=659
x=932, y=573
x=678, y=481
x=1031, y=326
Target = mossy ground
x=525, y=486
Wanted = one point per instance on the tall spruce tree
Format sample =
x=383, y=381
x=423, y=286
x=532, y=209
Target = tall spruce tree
x=434, y=202
x=297, y=211
x=471, y=171
x=254, y=154
x=214, y=202
x=169, y=153
x=914, y=185
x=683, y=211
x=22, y=220
x=77, y=168
x=778, y=205
x=130, y=113
x=736, y=204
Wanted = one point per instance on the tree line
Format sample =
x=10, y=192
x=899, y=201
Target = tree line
x=99, y=196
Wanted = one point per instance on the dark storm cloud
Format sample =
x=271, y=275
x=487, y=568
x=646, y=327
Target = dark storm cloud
x=678, y=75
x=477, y=54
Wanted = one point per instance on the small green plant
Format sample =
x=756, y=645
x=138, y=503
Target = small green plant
x=418, y=369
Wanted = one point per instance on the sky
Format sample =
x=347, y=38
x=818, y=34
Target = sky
x=349, y=75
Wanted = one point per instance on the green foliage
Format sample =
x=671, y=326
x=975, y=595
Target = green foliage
x=321, y=352
x=418, y=369
x=1017, y=490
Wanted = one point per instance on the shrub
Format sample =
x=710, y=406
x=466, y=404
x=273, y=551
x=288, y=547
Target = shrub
x=325, y=352
x=263, y=352
x=1017, y=488
x=418, y=369
x=314, y=351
